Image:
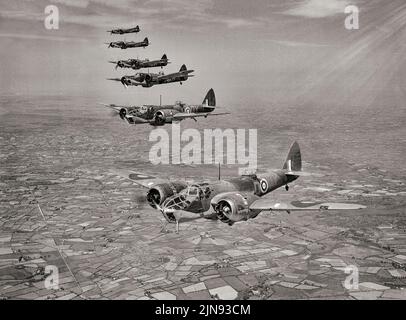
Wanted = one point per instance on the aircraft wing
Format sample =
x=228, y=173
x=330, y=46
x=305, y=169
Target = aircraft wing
x=139, y=178
x=185, y=115
x=268, y=204
x=167, y=76
x=136, y=119
x=174, y=75
x=113, y=106
x=163, y=106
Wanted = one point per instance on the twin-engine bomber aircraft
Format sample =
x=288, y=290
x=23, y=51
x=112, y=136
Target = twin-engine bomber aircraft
x=160, y=115
x=130, y=44
x=138, y=63
x=231, y=200
x=123, y=31
x=147, y=79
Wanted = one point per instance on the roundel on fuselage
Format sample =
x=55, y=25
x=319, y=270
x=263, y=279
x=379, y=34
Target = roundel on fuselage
x=187, y=110
x=264, y=185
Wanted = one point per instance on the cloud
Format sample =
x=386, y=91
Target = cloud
x=288, y=43
x=318, y=8
x=102, y=13
x=40, y=37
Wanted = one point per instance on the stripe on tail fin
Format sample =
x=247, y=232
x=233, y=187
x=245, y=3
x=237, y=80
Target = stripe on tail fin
x=294, y=159
x=210, y=99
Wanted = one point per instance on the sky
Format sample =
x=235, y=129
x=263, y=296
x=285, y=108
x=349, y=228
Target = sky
x=250, y=52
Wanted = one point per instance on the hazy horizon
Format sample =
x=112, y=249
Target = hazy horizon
x=262, y=52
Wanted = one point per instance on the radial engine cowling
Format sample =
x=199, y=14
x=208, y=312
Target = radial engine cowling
x=232, y=207
x=148, y=78
x=160, y=192
x=163, y=116
x=123, y=113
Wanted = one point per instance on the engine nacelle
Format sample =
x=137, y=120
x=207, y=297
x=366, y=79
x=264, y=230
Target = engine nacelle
x=128, y=111
x=159, y=193
x=123, y=113
x=232, y=207
x=162, y=116
x=149, y=78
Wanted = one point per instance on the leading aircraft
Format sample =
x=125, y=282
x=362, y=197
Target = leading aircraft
x=232, y=200
x=123, y=31
x=138, y=63
x=130, y=44
x=147, y=79
x=159, y=115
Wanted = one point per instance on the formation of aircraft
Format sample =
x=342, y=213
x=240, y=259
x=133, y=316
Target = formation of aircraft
x=129, y=44
x=158, y=115
x=123, y=31
x=139, y=64
x=230, y=201
x=147, y=79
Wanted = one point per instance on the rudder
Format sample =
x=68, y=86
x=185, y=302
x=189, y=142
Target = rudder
x=294, y=159
x=210, y=99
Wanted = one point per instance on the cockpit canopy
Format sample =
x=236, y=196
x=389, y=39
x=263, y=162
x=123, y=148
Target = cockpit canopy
x=145, y=109
x=180, y=103
x=185, y=198
x=191, y=191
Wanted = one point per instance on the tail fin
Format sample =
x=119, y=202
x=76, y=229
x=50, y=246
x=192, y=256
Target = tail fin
x=164, y=57
x=183, y=68
x=210, y=99
x=146, y=40
x=294, y=159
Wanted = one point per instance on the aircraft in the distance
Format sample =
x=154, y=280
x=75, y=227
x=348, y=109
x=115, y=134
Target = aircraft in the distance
x=158, y=115
x=130, y=44
x=138, y=63
x=147, y=79
x=230, y=201
x=123, y=31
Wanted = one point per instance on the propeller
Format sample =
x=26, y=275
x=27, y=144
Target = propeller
x=124, y=83
x=117, y=64
x=165, y=211
x=114, y=79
